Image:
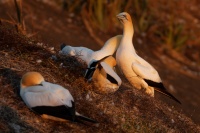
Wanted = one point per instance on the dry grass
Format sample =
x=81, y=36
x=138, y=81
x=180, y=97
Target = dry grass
x=127, y=110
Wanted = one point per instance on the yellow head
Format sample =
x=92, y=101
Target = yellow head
x=124, y=17
x=110, y=60
x=30, y=79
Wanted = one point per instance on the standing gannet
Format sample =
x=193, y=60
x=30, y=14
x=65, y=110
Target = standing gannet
x=49, y=100
x=138, y=71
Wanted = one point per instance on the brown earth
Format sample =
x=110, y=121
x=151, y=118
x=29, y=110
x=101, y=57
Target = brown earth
x=52, y=27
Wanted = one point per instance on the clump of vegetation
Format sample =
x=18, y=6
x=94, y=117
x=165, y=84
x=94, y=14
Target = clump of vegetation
x=20, y=25
x=142, y=15
x=102, y=14
x=172, y=34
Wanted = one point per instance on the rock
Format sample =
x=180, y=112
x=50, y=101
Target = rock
x=172, y=120
x=88, y=97
x=38, y=61
x=51, y=48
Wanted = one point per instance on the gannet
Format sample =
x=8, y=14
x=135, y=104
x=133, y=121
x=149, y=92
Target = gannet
x=138, y=72
x=82, y=52
x=90, y=56
x=94, y=61
x=50, y=101
x=105, y=78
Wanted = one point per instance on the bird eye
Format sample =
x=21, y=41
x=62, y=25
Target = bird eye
x=125, y=17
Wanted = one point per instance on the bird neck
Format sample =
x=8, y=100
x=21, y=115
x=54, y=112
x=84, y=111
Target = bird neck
x=109, y=48
x=128, y=30
x=100, y=53
x=111, y=45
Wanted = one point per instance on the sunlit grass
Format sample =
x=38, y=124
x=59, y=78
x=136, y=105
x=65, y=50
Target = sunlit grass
x=101, y=16
x=20, y=25
x=173, y=35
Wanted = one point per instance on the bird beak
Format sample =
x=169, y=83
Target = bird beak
x=119, y=16
x=62, y=46
x=120, y=20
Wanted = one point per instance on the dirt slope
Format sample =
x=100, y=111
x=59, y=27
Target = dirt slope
x=127, y=110
x=53, y=27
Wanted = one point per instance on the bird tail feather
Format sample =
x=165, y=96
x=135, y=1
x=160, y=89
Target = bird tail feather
x=159, y=87
x=167, y=94
x=80, y=118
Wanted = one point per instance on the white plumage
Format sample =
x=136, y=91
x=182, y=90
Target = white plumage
x=94, y=58
x=46, y=94
x=138, y=71
x=49, y=100
x=90, y=56
x=83, y=53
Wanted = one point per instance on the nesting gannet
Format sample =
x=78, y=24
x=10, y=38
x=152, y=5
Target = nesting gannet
x=82, y=52
x=138, y=71
x=104, y=76
x=49, y=100
x=94, y=61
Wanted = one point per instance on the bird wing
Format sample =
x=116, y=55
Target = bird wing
x=89, y=73
x=43, y=96
x=92, y=67
x=84, y=53
x=111, y=73
x=146, y=72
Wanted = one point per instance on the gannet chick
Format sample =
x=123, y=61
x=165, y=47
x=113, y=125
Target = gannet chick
x=105, y=78
x=50, y=101
x=137, y=71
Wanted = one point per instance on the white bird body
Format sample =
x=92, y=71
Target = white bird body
x=49, y=100
x=101, y=78
x=89, y=55
x=82, y=52
x=137, y=71
x=46, y=94
x=133, y=66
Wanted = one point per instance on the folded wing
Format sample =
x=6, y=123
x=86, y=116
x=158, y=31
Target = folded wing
x=111, y=74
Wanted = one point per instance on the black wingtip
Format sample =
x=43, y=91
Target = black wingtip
x=80, y=117
x=111, y=79
x=92, y=68
x=166, y=93
x=89, y=73
x=159, y=87
x=62, y=46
